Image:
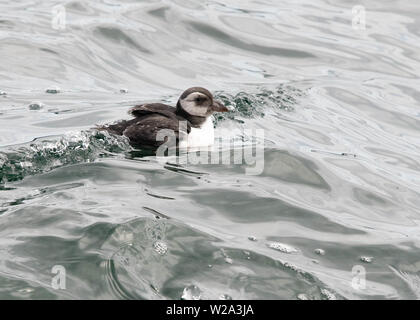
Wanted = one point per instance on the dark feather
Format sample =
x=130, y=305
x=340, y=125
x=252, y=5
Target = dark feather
x=145, y=130
x=149, y=119
x=150, y=108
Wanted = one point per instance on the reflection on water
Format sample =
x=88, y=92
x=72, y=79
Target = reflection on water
x=340, y=185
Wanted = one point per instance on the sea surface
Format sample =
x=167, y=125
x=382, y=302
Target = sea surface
x=333, y=213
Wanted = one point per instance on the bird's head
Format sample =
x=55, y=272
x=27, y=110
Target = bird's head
x=199, y=102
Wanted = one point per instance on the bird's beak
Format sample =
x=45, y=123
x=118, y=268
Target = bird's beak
x=219, y=107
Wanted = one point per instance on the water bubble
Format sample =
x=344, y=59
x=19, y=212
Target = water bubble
x=160, y=247
x=291, y=267
x=366, y=259
x=53, y=90
x=124, y=236
x=321, y=252
x=328, y=294
x=302, y=296
x=282, y=247
x=225, y=297
x=228, y=260
x=191, y=292
x=35, y=105
x=26, y=290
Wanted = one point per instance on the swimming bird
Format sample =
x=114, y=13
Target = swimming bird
x=190, y=121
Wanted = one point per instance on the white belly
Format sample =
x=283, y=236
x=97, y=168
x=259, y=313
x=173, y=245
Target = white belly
x=200, y=137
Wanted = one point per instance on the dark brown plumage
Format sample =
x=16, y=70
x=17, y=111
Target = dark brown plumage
x=150, y=118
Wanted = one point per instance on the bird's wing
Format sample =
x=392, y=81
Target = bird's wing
x=144, y=132
x=153, y=108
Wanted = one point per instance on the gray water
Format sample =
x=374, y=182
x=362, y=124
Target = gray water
x=339, y=193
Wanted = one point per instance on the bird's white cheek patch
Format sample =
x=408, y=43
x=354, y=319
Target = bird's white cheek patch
x=193, y=109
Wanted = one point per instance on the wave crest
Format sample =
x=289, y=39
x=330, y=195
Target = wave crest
x=47, y=153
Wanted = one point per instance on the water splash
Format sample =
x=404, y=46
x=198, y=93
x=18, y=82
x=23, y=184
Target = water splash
x=328, y=295
x=366, y=259
x=225, y=297
x=282, y=247
x=246, y=105
x=191, y=292
x=160, y=247
x=45, y=154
